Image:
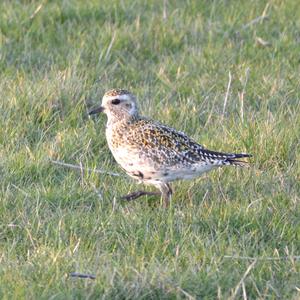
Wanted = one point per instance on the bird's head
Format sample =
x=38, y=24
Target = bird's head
x=117, y=104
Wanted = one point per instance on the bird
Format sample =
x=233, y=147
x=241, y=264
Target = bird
x=153, y=153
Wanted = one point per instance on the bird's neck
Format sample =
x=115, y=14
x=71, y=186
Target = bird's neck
x=117, y=120
x=117, y=130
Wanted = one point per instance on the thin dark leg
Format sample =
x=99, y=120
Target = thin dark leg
x=166, y=193
x=138, y=194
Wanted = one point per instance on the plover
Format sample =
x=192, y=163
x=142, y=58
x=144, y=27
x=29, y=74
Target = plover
x=154, y=153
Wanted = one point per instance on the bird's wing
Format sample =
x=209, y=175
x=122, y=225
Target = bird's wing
x=170, y=147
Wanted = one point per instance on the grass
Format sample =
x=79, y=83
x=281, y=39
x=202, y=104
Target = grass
x=56, y=60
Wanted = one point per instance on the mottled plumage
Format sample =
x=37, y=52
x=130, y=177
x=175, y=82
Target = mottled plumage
x=154, y=153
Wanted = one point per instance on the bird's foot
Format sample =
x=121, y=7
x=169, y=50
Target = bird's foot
x=138, y=194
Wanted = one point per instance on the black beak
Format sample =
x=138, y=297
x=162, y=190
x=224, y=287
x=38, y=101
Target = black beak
x=96, y=111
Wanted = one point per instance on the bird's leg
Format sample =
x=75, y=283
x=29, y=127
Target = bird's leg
x=138, y=194
x=166, y=193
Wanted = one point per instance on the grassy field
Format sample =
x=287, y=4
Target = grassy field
x=226, y=73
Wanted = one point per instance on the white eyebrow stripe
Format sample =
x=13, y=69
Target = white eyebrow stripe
x=121, y=97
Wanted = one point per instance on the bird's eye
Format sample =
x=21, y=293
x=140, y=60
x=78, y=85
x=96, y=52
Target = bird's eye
x=116, y=101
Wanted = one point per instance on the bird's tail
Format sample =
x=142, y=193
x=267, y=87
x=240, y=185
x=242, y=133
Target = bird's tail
x=235, y=160
x=225, y=159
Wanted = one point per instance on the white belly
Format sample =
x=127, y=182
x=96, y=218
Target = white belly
x=146, y=170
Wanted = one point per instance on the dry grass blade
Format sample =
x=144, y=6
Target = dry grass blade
x=227, y=92
x=254, y=21
x=36, y=11
x=261, y=18
x=263, y=258
x=80, y=168
x=237, y=288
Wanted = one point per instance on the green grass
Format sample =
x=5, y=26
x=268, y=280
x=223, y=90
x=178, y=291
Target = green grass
x=56, y=65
